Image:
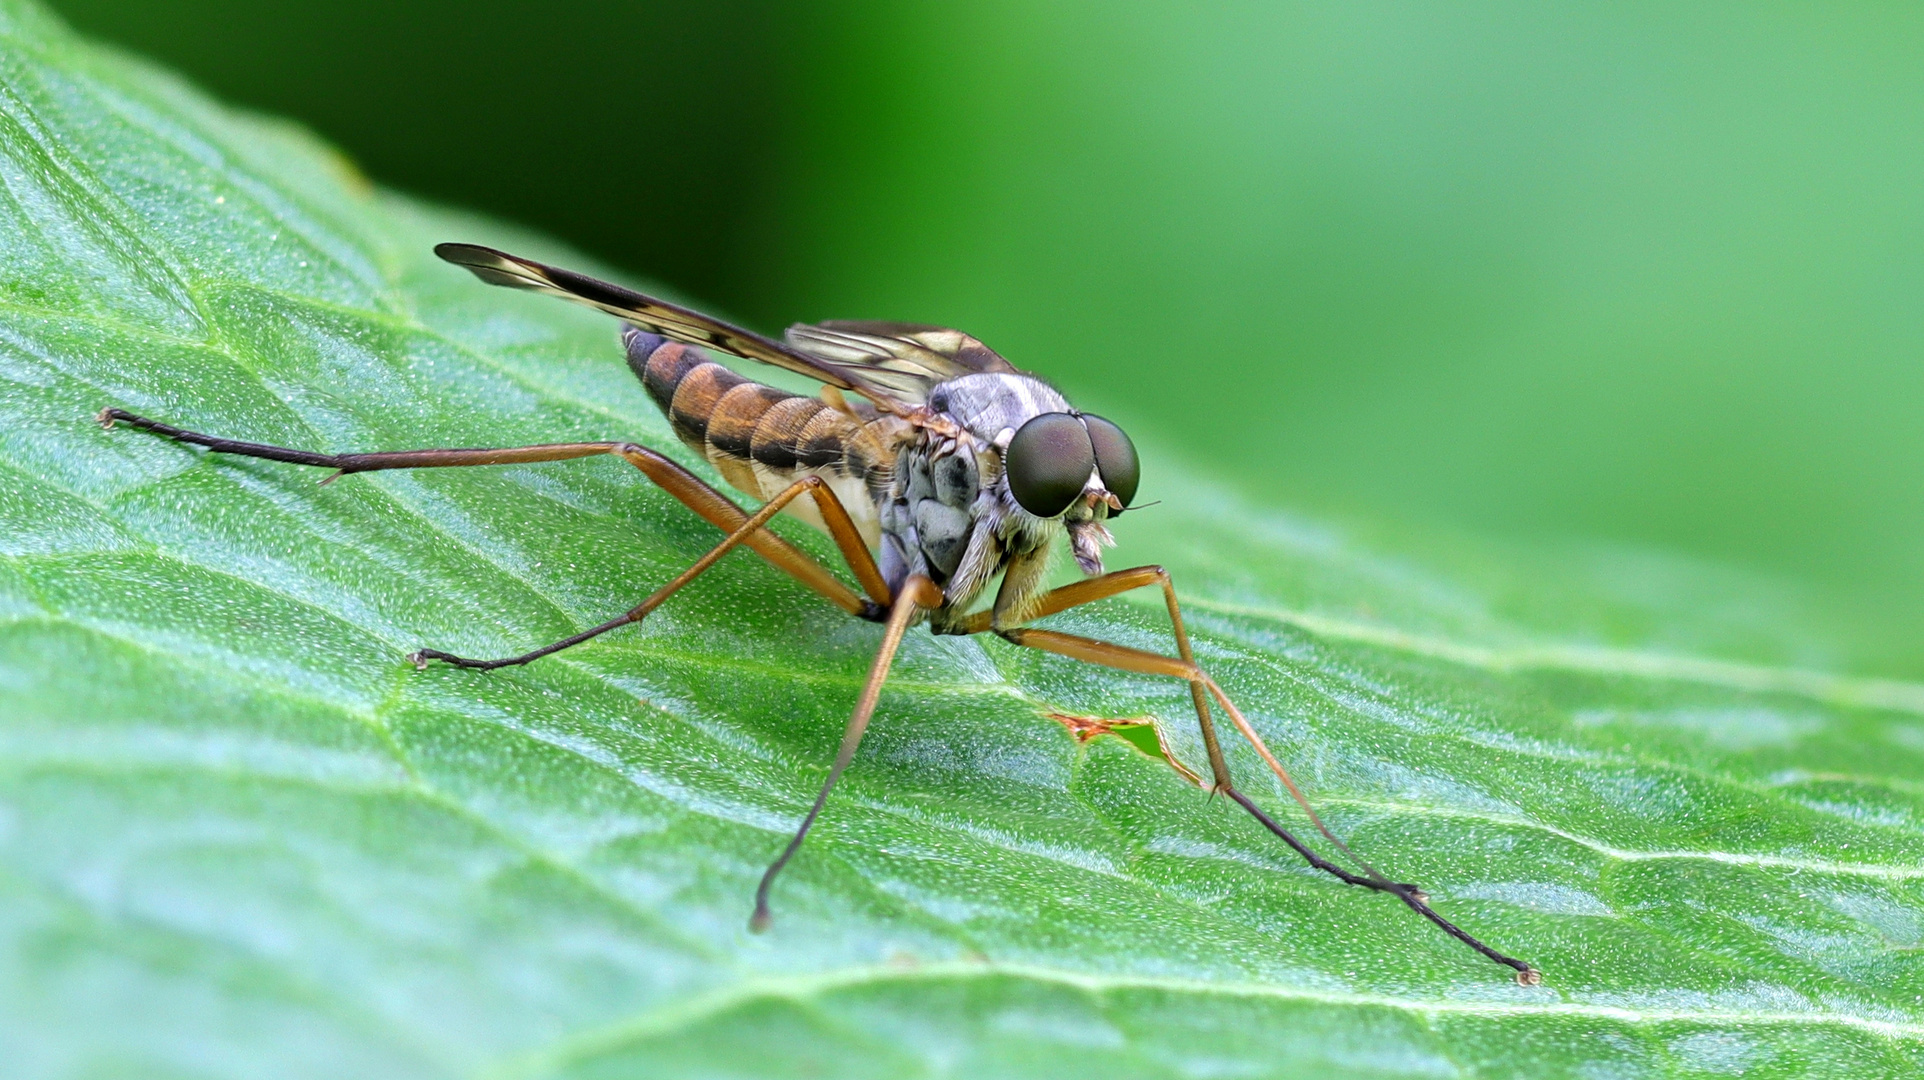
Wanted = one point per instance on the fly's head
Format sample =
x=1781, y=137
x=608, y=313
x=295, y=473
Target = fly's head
x=1049, y=468
x=1073, y=467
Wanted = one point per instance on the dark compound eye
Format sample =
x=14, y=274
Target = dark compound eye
x=1115, y=459
x=1048, y=462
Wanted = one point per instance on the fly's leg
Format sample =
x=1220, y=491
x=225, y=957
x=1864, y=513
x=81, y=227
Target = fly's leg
x=670, y=477
x=1121, y=581
x=1205, y=688
x=1092, y=589
x=918, y=594
x=749, y=527
x=898, y=610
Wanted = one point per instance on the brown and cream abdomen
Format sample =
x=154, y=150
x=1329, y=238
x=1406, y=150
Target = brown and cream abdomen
x=763, y=439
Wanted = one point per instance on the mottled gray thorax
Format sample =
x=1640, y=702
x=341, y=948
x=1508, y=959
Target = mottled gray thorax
x=946, y=514
x=988, y=405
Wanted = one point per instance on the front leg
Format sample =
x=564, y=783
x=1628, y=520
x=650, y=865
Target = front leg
x=1204, y=689
x=1001, y=618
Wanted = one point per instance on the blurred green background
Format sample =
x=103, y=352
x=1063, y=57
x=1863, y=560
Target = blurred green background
x=1647, y=273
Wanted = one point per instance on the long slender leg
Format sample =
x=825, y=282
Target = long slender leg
x=1111, y=584
x=640, y=611
x=918, y=593
x=1147, y=663
x=1121, y=581
x=1092, y=651
x=687, y=488
x=848, y=541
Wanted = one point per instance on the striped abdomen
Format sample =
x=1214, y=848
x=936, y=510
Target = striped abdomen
x=763, y=439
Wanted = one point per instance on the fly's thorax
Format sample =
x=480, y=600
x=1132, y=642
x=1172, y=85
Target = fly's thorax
x=989, y=404
x=946, y=518
x=929, y=513
x=992, y=407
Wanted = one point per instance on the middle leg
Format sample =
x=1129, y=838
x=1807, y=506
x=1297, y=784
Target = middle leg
x=918, y=594
x=750, y=526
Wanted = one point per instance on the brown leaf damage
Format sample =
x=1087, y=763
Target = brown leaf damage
x=1142, y=732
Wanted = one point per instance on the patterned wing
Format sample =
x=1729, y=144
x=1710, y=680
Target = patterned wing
x=906, y=359
x=669, y=320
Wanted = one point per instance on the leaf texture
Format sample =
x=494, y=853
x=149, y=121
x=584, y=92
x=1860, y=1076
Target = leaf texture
x=240, y=836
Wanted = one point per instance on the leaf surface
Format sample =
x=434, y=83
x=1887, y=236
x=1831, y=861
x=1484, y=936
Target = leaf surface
x=240, y=836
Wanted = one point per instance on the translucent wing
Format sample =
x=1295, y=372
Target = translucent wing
x=906, y=359
x=669, y=320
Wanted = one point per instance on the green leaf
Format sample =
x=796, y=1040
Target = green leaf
x=240, y=836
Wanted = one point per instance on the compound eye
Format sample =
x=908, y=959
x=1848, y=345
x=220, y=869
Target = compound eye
x=1048, y=463
x=1115, y=459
